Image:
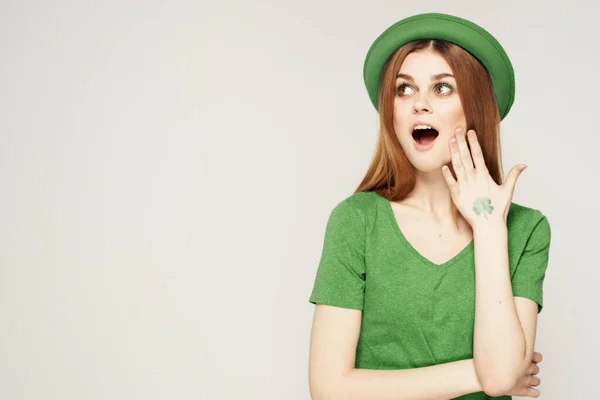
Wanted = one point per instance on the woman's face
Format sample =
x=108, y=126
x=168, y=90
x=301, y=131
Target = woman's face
x=426, y=95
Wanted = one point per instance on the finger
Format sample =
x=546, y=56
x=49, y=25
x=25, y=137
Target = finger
x=476, y=152
x=534, y=381
x=511, y=179
x=534, y=369
x=530, y=392
x=465, y=153
x=456, y=161
x=452, y=184
x=537, y=357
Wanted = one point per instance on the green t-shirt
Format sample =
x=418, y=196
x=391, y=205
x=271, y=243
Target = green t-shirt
x=415, y=313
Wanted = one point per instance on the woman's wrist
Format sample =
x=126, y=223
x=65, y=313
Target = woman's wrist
x=472, y=376
x=489, y=226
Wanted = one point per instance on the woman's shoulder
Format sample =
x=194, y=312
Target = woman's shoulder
x=356, y=209
x=361, y=202
x=523, y=219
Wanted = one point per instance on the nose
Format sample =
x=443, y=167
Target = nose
x=422, y=106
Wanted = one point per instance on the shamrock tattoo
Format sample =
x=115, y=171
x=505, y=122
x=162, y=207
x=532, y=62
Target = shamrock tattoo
x=474, y=190
x=483, y=205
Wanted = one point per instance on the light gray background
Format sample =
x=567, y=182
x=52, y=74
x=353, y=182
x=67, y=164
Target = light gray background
x=167, y=170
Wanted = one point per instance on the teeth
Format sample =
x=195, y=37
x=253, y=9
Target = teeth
x=422, y=127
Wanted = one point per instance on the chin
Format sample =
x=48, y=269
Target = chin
x=428, y=161
x=427, y=168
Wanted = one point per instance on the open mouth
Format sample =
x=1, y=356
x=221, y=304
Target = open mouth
x=425, y=137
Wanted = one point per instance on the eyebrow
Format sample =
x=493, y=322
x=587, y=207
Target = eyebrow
x=433, y=77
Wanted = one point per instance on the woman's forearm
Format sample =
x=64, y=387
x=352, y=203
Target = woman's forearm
x=436, y=382
x=498, y=339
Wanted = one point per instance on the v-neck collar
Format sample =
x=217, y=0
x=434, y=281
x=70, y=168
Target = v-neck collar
x=387, y=205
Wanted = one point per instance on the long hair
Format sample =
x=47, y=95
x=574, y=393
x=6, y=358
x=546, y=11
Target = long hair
x=390, y=173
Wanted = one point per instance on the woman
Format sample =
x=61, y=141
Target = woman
x=430, y=280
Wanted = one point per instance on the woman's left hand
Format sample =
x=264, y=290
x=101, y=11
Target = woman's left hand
x=474, y=192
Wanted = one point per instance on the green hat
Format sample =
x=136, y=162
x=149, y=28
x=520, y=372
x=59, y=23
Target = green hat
x=471, y=37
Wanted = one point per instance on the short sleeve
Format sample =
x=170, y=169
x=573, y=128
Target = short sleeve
x=340, y=277
x=530, y=272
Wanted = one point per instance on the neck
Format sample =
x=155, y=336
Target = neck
x=431, y=195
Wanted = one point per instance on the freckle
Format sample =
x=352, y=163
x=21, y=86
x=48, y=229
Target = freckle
x=500, y=301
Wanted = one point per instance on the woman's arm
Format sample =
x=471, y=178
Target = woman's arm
x=437, y=382
x=332, y=375
x=499, y=346
x=500, y=343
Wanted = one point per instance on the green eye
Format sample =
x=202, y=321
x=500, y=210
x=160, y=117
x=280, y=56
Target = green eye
x=402, y=89
x=446, y=89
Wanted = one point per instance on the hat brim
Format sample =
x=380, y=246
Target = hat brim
x=466, y=34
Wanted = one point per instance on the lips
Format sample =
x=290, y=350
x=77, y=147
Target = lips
x=424, y=136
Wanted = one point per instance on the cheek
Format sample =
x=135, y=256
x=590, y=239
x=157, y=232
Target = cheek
x=399, y=111
x=402, y=112
x=453, y=112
